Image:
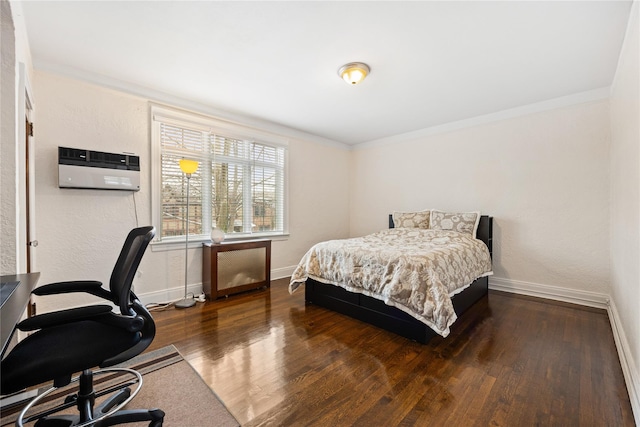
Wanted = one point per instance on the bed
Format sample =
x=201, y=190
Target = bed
x=375, y=303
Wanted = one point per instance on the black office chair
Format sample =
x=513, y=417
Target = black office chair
x=77, y=340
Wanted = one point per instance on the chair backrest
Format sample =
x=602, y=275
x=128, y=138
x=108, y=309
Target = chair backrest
x=120, y=286
x=127, y=264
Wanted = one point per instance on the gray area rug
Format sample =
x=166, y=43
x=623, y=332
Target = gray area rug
x=169, y=383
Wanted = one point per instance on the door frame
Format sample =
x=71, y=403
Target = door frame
x=26, y=257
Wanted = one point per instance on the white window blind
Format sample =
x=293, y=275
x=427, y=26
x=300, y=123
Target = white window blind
x=239, y=186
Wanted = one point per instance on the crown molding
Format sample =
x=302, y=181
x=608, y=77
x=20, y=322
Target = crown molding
x=565, y=101
x=183, y=103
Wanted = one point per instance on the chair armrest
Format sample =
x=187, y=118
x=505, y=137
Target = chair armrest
x=92, y=287
x=62, y=317
x=128, y=323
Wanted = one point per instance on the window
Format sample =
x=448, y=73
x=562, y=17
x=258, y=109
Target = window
x=239, y=186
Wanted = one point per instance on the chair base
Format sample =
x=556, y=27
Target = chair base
x=107, y=413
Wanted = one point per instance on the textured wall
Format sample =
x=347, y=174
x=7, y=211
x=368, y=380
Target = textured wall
x=625, y=194
x=8, y=219
x=544, y=177
x=81, y=231
x=16, y=72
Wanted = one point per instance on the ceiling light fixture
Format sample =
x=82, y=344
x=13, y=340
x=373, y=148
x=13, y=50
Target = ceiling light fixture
x=354, y=72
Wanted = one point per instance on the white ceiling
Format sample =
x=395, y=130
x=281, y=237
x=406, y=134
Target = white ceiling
x=432, y=62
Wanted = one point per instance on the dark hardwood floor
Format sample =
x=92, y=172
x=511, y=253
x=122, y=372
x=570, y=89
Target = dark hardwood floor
x=510, y=361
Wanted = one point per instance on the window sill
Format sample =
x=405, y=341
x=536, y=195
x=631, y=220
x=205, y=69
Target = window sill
x=194, y=243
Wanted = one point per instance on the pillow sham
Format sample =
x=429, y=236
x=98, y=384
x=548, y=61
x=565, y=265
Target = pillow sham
x=411, y=219
x=462, y=222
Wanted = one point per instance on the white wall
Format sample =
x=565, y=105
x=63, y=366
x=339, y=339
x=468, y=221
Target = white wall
x=8, y=175
x=544, y=177
x=625, y=207
x=81, y=231
x=16, y=72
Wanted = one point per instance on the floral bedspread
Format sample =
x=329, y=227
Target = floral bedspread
x=415, y=270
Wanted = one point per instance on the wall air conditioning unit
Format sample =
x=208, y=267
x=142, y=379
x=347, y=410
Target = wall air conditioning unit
x=79, y=168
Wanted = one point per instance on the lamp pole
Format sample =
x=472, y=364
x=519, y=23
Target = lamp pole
x=188, y=167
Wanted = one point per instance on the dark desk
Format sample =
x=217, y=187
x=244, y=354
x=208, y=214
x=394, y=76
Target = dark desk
x=13, y=308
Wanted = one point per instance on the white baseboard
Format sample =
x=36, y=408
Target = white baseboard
x=168, y=295
x=280, y=273
x=629, y=370
x=573, y=296
x=176, y=293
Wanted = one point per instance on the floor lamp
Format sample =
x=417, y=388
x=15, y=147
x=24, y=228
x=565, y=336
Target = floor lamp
x=188, y=167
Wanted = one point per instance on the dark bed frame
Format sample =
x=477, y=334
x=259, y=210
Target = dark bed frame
x=376, y=312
